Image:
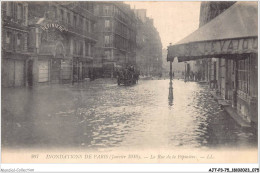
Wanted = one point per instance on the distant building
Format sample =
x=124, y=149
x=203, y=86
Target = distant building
x=116, y=30
x=149, y=46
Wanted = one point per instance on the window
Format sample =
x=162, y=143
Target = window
x=243, y=75
x=81, y=48
x=107, y=41
x=9, y=8
x=61, y=15
x=19, y=41
x=107, y=24
x=89, y=49
x=8, y=38
x=86, y=48
x=25, y=9
x=107, y=54
x=68, y=18
x=86, y=26
x=71, y=46
x=19, y=11
x=106, y=10
x=75, y=21
x=74, y=47
x=89, y=26
x=80, y=21
x=96, y=10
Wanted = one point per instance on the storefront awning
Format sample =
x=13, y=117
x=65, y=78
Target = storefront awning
x=235, y=31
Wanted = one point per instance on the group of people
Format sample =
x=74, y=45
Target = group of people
x=194, y=76
x=128, y=73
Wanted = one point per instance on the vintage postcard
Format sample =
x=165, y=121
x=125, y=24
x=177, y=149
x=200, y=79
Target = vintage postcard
x=129, y=82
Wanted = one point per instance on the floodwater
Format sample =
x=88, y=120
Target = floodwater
x=101, y=115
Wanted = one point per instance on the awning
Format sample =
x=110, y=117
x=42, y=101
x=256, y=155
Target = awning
x=235, y=31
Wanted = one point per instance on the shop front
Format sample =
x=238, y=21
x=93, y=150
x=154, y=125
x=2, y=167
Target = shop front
x=44, y=70
x=233, y=50
x=14, y=71
x=82, y=68
x=53, y=66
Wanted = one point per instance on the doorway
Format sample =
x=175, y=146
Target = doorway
x=30, y=73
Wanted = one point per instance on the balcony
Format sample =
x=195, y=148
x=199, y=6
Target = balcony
x=78, y=30
x=79, y=8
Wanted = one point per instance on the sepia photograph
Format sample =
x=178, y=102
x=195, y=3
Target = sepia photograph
x=129, y=82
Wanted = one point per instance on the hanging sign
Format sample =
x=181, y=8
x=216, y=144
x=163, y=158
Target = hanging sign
x=196, y=50
x=54, y=25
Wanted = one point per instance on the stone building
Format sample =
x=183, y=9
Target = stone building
x=149, y=46
x=116, y=30
x=15, y=54
x=61, y=39
x=47, y=42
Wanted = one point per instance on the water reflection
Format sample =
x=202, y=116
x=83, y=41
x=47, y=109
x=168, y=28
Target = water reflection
x=170, y=97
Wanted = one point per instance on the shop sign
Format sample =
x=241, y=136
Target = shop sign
x=54, y=25
x=215, y=47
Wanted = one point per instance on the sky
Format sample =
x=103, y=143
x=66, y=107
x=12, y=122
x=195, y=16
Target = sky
x=173, y=20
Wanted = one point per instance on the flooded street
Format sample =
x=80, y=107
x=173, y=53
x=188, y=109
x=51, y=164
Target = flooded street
x=101, y=115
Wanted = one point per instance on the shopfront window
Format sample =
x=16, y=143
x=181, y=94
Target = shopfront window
x=243, y=75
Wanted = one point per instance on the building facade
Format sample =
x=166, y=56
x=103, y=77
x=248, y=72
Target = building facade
x=234, y=77
x=61, y=40
x=15, y=54
x=230, y=53
x=208, y=11
x=149, y=47
x=116, y=30
x=47, y=42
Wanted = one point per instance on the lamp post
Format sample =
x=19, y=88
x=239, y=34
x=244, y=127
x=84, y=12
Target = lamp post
x=185, y=71
x=170, y=96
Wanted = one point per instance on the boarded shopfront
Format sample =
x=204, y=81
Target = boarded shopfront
x=53, y=66
x=232, y=40
x=13, y=73
x=43, y=66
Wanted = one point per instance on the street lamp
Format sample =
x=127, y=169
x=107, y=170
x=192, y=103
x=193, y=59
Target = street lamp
x=170, y=96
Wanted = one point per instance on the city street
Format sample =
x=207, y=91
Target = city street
x=101, y=115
